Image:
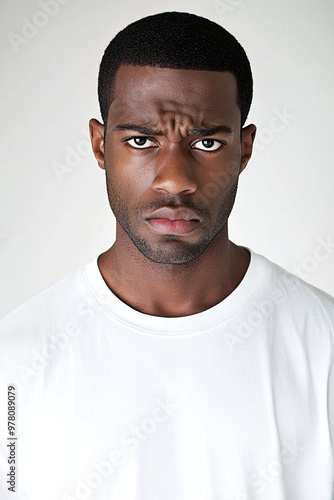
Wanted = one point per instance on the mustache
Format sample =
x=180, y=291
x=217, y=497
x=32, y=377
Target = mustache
x=174, y=203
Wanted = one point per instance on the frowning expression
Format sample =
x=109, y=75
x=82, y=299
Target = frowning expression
x=173, y=154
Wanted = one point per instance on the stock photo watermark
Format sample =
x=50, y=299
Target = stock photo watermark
x=31, y=27
x=257, y=317
x=56, y=342
x=321, y=253
x=130, y=441
x=225, y=7
x=11, y=439
x=279, y=121
x=73, y=157
x=263, y=477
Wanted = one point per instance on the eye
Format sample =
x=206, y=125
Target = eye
x=140, y=142
x=208, y=145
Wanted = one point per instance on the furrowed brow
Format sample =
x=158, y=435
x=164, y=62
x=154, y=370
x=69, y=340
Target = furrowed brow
x=138, y=128
x=200, y=132
x=210, y=131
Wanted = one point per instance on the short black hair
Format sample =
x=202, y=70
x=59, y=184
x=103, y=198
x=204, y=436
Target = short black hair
x=176, y=40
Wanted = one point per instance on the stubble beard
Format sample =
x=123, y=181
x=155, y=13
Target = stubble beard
x=174, y=249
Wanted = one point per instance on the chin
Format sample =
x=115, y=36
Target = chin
x=177, y=252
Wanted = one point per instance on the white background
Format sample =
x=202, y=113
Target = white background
x=51, y=222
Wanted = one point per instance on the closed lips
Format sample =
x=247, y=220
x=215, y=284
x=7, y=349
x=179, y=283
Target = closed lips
x=174, y=214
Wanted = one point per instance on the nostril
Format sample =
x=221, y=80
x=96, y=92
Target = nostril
x=174, y=188
x=175, y=178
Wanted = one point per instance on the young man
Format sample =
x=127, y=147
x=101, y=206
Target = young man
x=176, y=365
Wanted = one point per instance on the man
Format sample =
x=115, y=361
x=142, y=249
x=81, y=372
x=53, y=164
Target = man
x=176, y=365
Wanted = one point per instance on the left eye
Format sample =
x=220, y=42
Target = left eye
x=207, y=144
x=140, y=142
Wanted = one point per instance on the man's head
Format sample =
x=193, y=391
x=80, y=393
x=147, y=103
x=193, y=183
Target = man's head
x=175, y=90
x=175, y=40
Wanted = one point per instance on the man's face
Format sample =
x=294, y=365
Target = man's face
x=172, y=144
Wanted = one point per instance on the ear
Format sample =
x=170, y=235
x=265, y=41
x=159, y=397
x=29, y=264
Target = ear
x=247, y=141
x=96, y=130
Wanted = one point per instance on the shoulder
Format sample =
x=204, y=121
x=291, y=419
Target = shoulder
x=298, y=290
x=297, y=303
x=47, y=329
x=52, y=310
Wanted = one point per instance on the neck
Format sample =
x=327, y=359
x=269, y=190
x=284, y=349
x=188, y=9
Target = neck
x=171, y=290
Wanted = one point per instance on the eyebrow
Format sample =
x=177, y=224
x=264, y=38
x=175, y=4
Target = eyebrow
x=194, y=131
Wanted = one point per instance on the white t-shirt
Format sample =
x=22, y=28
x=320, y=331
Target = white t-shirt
x=233, y=403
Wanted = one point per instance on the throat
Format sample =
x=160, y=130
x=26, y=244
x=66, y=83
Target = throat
x=174, y=291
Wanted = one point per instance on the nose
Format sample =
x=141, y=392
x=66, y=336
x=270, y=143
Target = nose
x=175, y=173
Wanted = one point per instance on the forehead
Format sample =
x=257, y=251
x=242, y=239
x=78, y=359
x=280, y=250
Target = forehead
x=146, y=94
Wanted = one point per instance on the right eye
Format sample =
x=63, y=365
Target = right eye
x=140, y=142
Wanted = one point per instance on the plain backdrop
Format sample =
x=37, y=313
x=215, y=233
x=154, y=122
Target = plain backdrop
x=54, y=209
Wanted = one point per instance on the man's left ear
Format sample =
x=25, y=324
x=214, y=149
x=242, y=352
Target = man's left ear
x=247, y=140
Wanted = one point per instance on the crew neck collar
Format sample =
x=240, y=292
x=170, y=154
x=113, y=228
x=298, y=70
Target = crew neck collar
x=120, y=311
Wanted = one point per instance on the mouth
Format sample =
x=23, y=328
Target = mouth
x=176, y=221
x=167, y=226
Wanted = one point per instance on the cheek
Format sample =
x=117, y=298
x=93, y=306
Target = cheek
x=217, y=183
x=128, y=187
x=127, y=169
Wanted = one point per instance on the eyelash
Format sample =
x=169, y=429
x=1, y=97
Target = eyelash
x=127, y=139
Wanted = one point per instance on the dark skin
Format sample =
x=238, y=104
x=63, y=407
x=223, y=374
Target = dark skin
x=189, y=155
